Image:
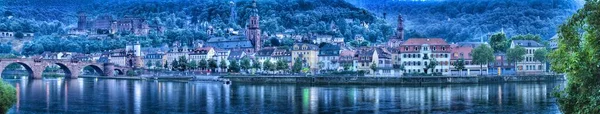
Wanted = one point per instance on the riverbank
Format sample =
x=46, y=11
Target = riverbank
x=393, y=80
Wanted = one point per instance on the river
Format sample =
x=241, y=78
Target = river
x=85, y=95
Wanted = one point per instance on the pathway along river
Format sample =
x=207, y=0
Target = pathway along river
x=142, y=96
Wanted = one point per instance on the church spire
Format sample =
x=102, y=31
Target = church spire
x=254, y=8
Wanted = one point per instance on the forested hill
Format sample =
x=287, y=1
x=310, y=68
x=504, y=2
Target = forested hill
x=458, y=20
x=186, y=20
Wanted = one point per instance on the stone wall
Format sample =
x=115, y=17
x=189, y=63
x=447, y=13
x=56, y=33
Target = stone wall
x=392, y=80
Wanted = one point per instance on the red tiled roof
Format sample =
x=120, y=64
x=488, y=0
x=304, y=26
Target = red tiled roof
x=421, y=41
x=456, y=52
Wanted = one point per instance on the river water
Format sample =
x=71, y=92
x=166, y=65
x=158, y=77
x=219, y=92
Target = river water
x=141, y=97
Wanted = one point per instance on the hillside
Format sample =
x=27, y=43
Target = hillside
x=470, y=20
x=186, y=20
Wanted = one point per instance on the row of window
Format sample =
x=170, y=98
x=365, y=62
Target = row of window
x=418, y=63
x=421, y=71
x=424, y=55
x=416, y=48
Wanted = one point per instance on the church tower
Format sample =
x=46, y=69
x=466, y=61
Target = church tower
x=400, y=28
x=253, y=29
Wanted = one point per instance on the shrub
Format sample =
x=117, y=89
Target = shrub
x=7, y=97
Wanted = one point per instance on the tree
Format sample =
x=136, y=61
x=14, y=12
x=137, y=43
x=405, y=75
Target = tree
x=234, y=66
x=174, y=65
x=157, y=64
x=577, y=56
x=514, y=55
x=19, y=35
x=432, y=64
x=459, y=65
x=540, y=55
x=212, y=64
x=256, y=64
x=374, y=67
x=223, y=65
x=536, y=38
x=482, y=55
x=7, y=96
x=282, y=65
x=183, y=63
x=202, y=64
x=245, y=64
x=297, y=66
x=267, y=65
x=498, y=42
x=148, y=64
x=193, y=65
x=166, y=65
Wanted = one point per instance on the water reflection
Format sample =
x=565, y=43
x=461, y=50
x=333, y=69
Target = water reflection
x=130, y=96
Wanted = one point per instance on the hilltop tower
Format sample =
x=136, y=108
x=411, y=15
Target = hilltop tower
x=253, y=29
x=82, y=22
x=233, y=13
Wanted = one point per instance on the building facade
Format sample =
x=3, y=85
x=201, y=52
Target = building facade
x=418, y=52
x=308, y=53
x=529, y=64
x=329, y=58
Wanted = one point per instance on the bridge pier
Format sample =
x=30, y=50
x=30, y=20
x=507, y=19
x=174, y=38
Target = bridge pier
x=109, y=69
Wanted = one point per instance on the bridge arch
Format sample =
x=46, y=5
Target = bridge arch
x=27, y=67
x=119, y=72
x=95, y=68
x=68, y=71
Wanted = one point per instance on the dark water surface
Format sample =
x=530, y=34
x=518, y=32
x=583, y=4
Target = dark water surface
x=139, y=96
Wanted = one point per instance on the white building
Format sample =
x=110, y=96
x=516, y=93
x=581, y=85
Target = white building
x=529, y=64
x=416, y=54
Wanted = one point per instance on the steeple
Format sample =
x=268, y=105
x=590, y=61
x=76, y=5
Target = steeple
x=253, y=29
x=400, y=28
x=254, y=8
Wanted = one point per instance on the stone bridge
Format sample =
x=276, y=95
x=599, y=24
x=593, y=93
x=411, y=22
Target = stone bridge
x=71, y=68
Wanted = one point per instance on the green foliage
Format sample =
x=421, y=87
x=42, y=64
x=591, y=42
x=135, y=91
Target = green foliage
x=148, y=64
x=7, y=96
x=245, y=64
x=482, y=55
x=282, y=65
x=540, y=55
x=174, y=65
x=297, y=66
x=463, y=20
x=202, y=64
x=193, y=65
x=432, y=64
x=374, y=67
x=234, y=66
x=268, y=65
x=158, y=64
x=536, y=38
x=459, y=64
x=223, y=65
x=577, y=56
x=182, y=63
x=499, y=42
x=166, y=65
x=132, y=73
x=514, y=55
x=212, y=64
x=256, y=64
